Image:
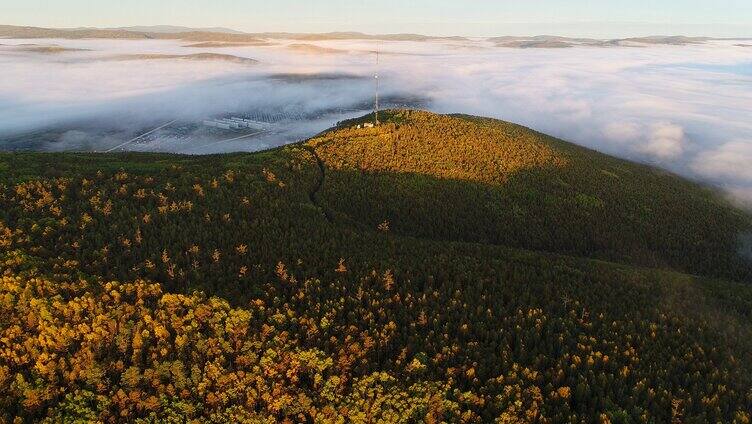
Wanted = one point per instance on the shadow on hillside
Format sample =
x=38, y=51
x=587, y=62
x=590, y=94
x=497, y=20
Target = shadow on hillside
x=656, y=222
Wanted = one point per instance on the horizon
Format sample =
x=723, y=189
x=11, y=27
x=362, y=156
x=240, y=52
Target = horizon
x=579, y=18
x=220, y=28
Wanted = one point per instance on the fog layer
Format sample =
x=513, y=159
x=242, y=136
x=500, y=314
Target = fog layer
x=686, y=108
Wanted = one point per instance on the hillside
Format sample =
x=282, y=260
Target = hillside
x=480, y=180
x=435, y=268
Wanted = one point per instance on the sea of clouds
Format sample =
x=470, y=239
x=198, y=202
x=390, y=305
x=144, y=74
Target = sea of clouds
x=685, y=108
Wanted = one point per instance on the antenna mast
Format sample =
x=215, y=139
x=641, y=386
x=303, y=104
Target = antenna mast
x=376, y=77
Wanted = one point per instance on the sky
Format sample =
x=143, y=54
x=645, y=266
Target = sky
x=592, y=18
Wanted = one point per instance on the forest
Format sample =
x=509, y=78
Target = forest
x=433, y=268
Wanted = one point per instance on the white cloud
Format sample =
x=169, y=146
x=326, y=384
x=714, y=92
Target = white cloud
x=622, y=131
x=731, y=161
x=665, y=140
x=742, y=195
x=660, y=140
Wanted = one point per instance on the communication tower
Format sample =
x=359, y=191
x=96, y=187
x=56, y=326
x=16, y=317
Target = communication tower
x=376, y=77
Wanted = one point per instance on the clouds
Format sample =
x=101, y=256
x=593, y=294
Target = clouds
x=686, y=108
x=730, y=166
x=667, y=105
x=622, y=131
x=665, y=140
x=661, y=140
x=87, y=88
x=732, y=161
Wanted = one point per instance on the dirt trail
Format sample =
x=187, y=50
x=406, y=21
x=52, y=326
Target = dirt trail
x=319, y=184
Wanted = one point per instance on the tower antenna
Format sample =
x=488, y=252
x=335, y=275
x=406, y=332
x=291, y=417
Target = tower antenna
x=376, y=77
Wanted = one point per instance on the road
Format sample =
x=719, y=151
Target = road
x=225, y=141
x=141, y=136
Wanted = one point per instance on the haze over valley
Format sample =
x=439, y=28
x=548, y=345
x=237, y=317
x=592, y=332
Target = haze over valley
x=678, y=102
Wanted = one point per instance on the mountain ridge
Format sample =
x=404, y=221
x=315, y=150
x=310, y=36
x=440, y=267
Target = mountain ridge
x=220, y=34
x=175, y=29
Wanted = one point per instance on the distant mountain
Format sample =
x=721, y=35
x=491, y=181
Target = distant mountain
x=198, y=34
x=9, y=31
x=313, y=49
x=42, y=49
x=171, y=29
x=222, y=44
x=549, y=41
x=662, y=39
x=209, y=37
x=196, y=56
x=356, y=36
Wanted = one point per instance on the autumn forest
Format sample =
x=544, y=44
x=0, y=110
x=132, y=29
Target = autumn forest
x=434, y=268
